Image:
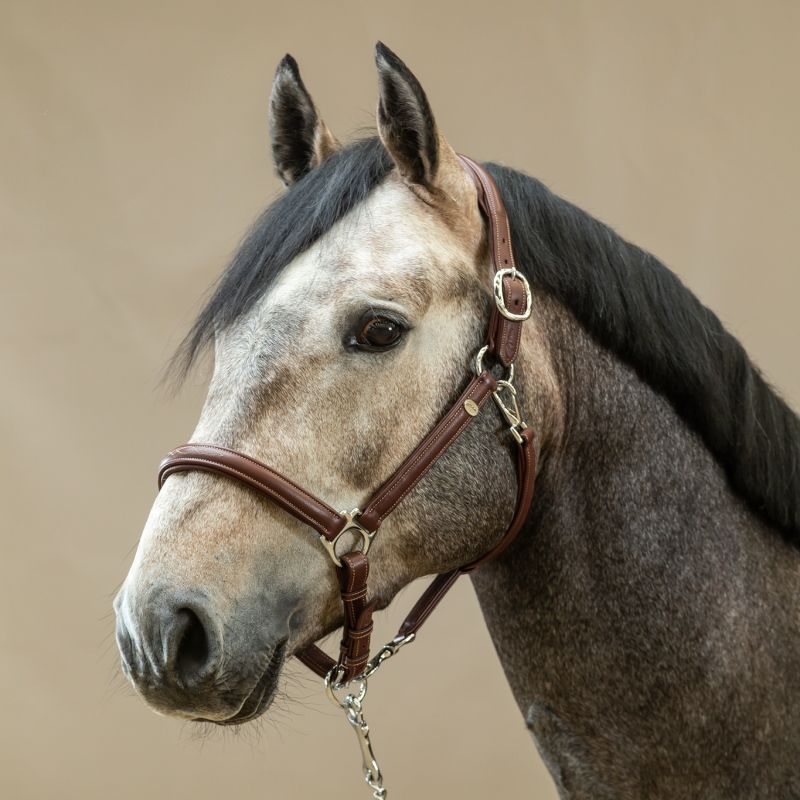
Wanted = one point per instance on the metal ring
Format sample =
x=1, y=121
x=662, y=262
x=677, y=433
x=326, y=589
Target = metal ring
x=350, y=525
x=479, y=365
x=333, y=684
x=479, y=359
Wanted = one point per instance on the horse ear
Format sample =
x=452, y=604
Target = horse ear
x=408, y=131
x=301, y=140
x=405, y=120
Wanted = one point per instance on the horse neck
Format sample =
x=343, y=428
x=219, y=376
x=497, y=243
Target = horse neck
x=613, y=614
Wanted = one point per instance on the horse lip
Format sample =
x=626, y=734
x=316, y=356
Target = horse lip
x=260, y=696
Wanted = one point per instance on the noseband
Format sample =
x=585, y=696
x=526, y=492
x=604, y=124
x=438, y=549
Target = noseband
x=512, y=306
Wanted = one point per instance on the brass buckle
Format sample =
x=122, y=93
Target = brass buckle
x=500, y=300
x=350, y=525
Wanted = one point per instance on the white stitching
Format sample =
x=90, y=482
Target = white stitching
x=263, y=466
x=246, y=479
x=433, y=461
x=422, y=453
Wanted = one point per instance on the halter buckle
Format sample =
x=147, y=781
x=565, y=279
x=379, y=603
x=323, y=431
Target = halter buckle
x=351, y=524
x=500, y=300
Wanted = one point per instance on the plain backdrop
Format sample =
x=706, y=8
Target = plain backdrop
x=134, y=153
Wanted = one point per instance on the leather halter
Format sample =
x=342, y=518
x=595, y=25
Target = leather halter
x=512, y=306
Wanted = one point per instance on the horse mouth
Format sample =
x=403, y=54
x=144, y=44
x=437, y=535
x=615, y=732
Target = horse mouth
x=261, y=694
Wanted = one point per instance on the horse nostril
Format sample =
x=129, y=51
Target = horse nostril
x=188, y=647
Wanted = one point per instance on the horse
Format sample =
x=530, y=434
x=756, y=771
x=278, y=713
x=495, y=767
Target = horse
x=646, y=616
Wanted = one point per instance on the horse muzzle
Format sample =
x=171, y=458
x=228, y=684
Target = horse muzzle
x=171, y=647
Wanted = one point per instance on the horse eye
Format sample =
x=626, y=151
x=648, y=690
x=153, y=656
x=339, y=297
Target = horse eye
x=379, y=333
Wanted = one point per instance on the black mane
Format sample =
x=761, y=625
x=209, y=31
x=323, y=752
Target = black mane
x=624, y=297
x=637, y=308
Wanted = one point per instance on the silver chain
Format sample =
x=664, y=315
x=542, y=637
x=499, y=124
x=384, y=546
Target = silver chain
x=353, y=705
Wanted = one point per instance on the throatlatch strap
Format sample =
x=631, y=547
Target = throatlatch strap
x=441, y=584
x=321, y=663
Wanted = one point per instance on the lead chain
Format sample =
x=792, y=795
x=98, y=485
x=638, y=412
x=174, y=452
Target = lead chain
x=372, y=771
x=353, y=706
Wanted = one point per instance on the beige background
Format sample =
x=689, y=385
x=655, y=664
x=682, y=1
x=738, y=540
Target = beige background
x=133, y=153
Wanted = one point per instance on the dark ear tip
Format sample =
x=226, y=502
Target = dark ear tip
x=386, y=57
x=288, y=64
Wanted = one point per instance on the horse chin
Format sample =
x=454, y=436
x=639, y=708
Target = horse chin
x=260, y=696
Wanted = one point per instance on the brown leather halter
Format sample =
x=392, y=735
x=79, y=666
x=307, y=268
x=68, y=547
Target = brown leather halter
x=512, y=306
